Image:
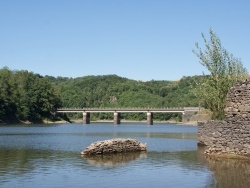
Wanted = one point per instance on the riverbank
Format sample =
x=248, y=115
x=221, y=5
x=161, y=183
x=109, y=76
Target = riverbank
x=18, y=122
x=48, y=122
x=122, y=121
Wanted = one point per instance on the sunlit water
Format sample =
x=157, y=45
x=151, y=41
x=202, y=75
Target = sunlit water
x=49, y=156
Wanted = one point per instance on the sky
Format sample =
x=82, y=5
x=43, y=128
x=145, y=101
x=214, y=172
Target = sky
x=137, y=39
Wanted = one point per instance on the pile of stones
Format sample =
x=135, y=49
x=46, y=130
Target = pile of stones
x=118, y=145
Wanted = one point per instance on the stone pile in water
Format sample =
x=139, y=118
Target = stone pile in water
x=118, y=145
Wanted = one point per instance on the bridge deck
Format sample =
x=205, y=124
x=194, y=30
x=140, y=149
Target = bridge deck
x=99, y=110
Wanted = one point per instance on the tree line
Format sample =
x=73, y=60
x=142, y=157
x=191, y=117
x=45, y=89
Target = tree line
x=26, y=96
x=114, y=91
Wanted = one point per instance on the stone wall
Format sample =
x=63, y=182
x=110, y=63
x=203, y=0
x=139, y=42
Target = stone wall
x=238, y=103
x=231, y=136
x=222, y=137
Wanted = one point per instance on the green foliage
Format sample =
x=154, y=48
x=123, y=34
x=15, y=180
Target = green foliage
x=224, y=71
x=115, y=91
x=31, y=97
x=26, y=96
x=7, y=103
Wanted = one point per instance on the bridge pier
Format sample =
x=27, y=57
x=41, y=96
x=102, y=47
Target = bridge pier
x=150, y=118
x=117, y=118
x=186, y=115
x=187, y=112
x=86, y=117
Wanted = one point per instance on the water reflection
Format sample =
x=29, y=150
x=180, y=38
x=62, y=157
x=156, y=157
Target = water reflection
x=229, y=173
x=35, y=166
x=37, y=155
x=16, y=162
x=114, y=160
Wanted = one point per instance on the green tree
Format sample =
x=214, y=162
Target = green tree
x=7, y=103
x=224, y=71
x=114, y=91
x=27, y=96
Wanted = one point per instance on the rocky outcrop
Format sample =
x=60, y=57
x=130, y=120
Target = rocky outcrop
x=231, y=136
x=119, y=145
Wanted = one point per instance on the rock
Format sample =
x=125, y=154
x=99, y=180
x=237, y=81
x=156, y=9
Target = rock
x=118, y=145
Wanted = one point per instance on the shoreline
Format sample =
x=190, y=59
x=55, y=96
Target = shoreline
x=45, y=122
x=221, y=156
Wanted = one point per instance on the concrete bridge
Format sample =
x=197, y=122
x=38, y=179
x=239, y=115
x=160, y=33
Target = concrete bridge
x=187, y=112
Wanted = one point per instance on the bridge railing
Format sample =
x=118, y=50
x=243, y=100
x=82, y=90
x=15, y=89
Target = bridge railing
x=131, y=109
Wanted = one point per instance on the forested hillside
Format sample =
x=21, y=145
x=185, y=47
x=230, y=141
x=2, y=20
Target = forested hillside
x=115, y=91
x=31, y=97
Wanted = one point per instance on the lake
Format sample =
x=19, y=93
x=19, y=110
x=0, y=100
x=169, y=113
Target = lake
x=49, y=156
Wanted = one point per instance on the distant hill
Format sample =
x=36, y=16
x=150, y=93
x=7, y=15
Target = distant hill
x=30, y=97
x=115, y=91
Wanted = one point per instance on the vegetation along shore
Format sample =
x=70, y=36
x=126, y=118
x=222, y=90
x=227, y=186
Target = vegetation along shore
x=29, y=97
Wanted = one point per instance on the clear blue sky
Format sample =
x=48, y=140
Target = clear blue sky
x=137, y=39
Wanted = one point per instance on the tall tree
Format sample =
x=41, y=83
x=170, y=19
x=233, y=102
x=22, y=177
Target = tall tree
x=224, y=71
x=7, y=103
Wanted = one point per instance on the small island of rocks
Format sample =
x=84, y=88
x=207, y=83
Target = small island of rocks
x=118, y=145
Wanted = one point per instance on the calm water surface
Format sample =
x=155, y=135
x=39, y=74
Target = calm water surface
x=49, y=156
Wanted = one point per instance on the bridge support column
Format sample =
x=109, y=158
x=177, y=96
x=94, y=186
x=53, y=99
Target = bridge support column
x=186, y=115
x=117, y=118
x=149, y=118
x=86, y=117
